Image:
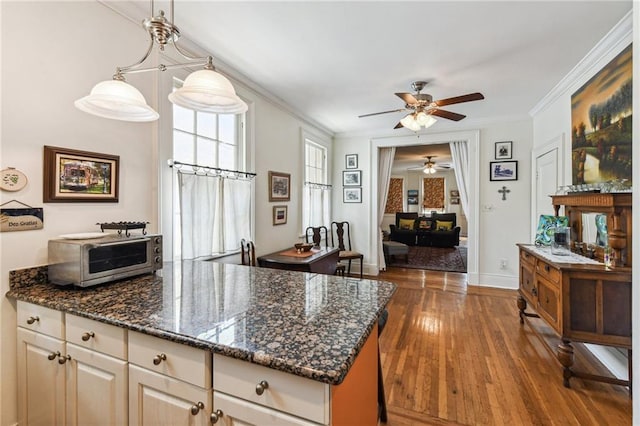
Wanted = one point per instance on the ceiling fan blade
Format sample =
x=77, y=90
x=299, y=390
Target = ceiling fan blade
x=459, y=99
x=399, y=125
x=408, y=98
x=447, y=114
x=383, y=112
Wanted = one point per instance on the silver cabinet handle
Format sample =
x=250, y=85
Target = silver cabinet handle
x=260, y=387
x=31, y=320
x=159, y=358
x=63, y=359
x=88, y=335
x=215, y=416
x=195, y=408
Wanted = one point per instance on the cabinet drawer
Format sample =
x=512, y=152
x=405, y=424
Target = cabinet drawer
x=236, y=411
x=97, y=336
x=549, y=303
x=527, y=257
x=527, y=285
x=182, y=362
x=548, y=272
x=40, y=319
x=285, y=392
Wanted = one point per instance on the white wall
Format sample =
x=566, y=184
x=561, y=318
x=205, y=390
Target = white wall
x=501, y=225
x=552, y=119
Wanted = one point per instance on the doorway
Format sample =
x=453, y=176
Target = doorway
x=472, y=138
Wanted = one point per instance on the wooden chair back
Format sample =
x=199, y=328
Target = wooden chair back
x=343, y=235
x=248, y=252
x=315, y=235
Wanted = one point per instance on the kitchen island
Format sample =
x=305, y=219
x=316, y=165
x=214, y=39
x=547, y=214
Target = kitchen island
x=318, y=330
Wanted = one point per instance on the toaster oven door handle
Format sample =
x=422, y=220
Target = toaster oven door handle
x=117, y=243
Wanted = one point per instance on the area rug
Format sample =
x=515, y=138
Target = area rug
x=433, y=258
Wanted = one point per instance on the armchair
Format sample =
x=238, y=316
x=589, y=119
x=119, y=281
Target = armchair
x=404, y=230
x=444, y=232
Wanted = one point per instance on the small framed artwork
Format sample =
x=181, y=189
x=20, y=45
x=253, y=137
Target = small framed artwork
x=455, y=200
x=503, y=150
x=72, y=176
x=454, y=193
x=353, y=178
x=351, y=161
x=503, y=170
x=412, y=201
x=279, y=215
x=279, y=186
x=352, y=195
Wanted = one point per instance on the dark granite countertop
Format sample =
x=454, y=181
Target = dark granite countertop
x=310, y=325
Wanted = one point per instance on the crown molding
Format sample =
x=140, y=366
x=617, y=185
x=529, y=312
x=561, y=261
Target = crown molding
x=134, y=13
x=616, y=39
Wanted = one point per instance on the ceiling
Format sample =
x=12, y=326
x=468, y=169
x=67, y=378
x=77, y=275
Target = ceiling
x=334, y=61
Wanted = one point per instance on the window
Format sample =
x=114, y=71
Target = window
x=214, y=141
x=316, y=202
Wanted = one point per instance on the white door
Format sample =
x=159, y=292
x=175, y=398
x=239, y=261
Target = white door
x=547, y=177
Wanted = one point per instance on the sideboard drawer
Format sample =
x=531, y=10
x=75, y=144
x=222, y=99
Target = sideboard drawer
x=527, y=257
x=548, y=272
x=285, y=392
x=549, y=302
x=97, y=336
x=40, y=319
x=182, y=362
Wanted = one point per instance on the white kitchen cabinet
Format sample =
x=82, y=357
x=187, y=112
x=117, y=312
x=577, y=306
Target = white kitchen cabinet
x=41, y=379
x=232, y=411
x=156, y=399
x=169, y=383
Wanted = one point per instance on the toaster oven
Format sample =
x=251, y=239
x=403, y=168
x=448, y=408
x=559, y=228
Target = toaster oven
x=87, y=262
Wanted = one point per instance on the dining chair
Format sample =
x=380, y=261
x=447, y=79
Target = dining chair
x=315, y=234
x=340, y=229
x=248, y=252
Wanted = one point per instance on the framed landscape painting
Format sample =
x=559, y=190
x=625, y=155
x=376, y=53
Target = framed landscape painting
x=601, y=121
x=72, y=176
x=503, y=170
x=279, y=186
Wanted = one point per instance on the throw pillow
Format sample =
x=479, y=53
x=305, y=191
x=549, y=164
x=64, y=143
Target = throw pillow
x=406, y=223
x=443, y=226
x=424, y=224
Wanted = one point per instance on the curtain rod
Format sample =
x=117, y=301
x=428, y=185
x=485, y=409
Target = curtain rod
x=318, y=185
x=215, y=170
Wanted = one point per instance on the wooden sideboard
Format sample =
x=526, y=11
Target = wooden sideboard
x=582, y=301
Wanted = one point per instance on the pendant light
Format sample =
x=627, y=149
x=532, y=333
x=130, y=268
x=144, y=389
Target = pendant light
x=203, y=90
x=416, y=120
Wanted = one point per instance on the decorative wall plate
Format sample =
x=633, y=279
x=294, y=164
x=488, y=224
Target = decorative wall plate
x=12, y=179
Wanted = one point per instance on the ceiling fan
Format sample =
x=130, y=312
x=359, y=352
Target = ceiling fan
x=423, y=107
x=430, y=166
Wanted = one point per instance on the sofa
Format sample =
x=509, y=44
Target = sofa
x=404, y=230
x=437, y=230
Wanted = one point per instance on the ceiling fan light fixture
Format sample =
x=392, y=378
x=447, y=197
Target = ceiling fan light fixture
x=409, y=121
x=425, y=120
x=117, y=100
x=208, y=91
x=429, y=170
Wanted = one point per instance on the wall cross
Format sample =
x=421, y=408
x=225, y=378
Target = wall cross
x=504, y=191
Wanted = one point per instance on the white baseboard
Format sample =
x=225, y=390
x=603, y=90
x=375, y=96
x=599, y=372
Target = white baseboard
x=615, y=361
x=493, y=280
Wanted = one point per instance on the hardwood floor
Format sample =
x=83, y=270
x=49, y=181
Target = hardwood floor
x=453, y=354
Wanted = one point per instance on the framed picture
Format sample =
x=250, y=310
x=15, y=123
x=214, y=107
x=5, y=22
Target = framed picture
x=351, y=161
x=72, y=176
x=503, y=170
x=352, y=195
x=353, y=178
x=279, y=186
x=503, y=150
x=412, y=201
x=454, y=193
x=455, y=200
x=279, y=215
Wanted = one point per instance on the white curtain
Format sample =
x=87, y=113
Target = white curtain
x=460, y=155
x=385, y=162
x=214, y=214
x=317, y=212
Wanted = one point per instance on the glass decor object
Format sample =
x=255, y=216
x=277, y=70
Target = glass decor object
x=561, y=245
x=546, y=228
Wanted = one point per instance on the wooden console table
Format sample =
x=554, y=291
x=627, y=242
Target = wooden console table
x=581, y=299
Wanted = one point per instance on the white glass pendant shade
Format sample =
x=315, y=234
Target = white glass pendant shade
x=429, y=170
x=425, y=120
x=410, y=123
x=208, y=91
x=117, y=100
